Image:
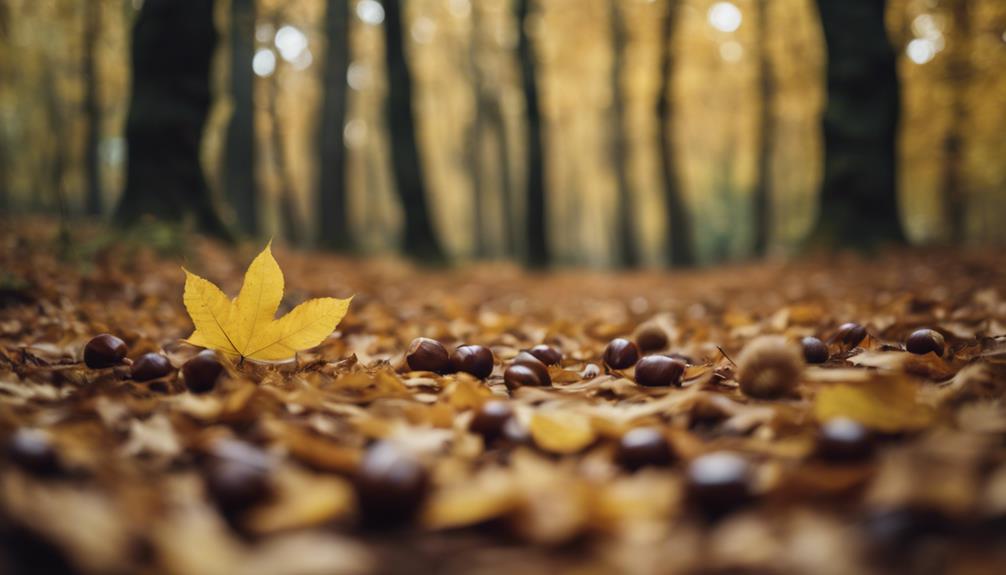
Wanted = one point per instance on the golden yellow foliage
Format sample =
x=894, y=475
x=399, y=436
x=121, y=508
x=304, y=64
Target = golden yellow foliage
x=246, y=327
x=885, y=404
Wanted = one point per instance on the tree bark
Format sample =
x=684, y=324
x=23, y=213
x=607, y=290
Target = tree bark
x=537, y=249
x=859, y=206
x=287, y=201
x=762, y=201
x=172, y=48
x=5, y=72
x=94, y=203
x=239, y=161
x=333, y=217
x=680, y=251
x=959, y=74
x=628, y=254
x=476, y=135
x=420, y=239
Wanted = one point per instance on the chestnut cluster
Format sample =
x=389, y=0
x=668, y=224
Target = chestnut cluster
x=200, y=373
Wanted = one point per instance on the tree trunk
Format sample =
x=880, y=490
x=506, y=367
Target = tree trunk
x=420, y=241
x=333, y=217
x=859, y=206
x=284, y=181
x=94, y=203
x=537, y=249
x=680, y=251
x=172, y=47
x=763, y=217
x=239, y=161
x=476, y=136
x=628, y=254
x=5, y=73
x=959, y=74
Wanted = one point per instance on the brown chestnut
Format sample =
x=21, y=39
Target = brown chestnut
x=33, y=451
x=104, y=350
x=814, y=350
x=427, y=354
x=643, y=446
x=923, y=341
x=521, y=374
x=202, y=371
x=844, y=440
x=390, y=485
x=490, y=418
x=546, y=354
x=659, y=371
x=651, y=337
x=150, y=366
x=474, y=359
x=850, y=334
x=621, y=353
x=718, y=483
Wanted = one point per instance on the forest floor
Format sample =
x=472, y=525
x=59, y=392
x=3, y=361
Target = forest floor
x=266, y=473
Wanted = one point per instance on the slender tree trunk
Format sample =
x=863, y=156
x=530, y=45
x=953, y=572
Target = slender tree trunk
x=172, y=48
x=287, y=202
x=494, y=117
x=420, y=241
x=5, y=73
x=681, y=252
x=476, y=136
x=628, y=255
x=954, y=144
x=537, y=250
x=859, y=206
x=333, y=217
x=763, y=216
x=92, y=108
x=239, y=159
x=488, y=129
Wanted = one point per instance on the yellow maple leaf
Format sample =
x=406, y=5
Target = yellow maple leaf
x=246, y=326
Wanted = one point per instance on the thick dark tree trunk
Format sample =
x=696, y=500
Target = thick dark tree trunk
x=172, y=47
x=954, y=144
x=92, y=108
x=239, y=161
x=628, y=254
x=537, y=249
x=859, y=206
x=762, y=201
x=333, y=218
x=420, y=241
x=679, y=234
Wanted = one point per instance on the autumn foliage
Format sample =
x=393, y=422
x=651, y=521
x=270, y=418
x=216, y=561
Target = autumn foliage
x=346, y=459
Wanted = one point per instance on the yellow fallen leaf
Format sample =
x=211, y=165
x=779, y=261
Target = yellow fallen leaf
x=246, y=327
x=562, y=431
x=886, y=404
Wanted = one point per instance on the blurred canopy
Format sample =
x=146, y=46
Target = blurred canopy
x=587, y=132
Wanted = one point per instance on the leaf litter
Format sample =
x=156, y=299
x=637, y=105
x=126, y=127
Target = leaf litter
x=134, y=458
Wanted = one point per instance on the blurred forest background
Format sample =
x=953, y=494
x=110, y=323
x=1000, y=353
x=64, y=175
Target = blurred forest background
x=619, y=123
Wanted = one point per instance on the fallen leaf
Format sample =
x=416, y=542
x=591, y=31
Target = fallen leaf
x=885, y=404
x=246, y=327
x=561, y=431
